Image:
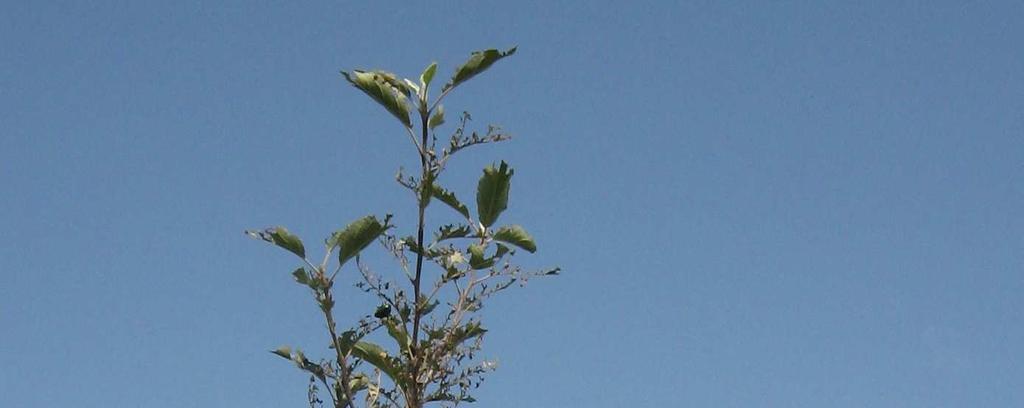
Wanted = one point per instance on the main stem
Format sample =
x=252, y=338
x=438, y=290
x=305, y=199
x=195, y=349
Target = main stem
x=342, y=363
x=414, y=400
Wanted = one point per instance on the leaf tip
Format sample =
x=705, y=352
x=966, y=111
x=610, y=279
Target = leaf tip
x=283, y=351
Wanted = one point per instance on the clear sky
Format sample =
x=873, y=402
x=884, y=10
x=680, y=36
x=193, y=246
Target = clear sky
x=782, y=204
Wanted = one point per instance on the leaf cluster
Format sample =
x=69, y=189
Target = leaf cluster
x=435, y=328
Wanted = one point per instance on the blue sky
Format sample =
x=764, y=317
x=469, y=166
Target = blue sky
x=794, y=204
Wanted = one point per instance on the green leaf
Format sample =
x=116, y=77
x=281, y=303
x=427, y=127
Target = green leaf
x=397, y=331
x=477, y=63
x=452, y=273
x=303, y=363
x=461, y=334
x=281, y=237
x=428, y=75
x=492, y=193
x=502, y=250
x=451, y=231
x=440, y=395
x=299, y=358
x=412, y=246
x=346, y=340
x=471, y=330
x=516, y=235
x=405, y=86
x=384, y=88
x=449, y=198
x=412, y=86
x=356, y=237
x=378, y=357
x=425, y=307
x=359, y=382
x=477, y=259
x=284, y=351
x=301, y=276
x=437, y=119
x=426, y=190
